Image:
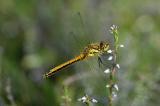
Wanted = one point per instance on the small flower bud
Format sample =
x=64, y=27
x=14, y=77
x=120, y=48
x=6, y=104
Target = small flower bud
x=109, y=51
x=118, y=66
x=94, y=100
x=113, y=27
x=82, y=99
x=107, y=86
x=116, y=87
x=107, y=71
x=121, y=45
x=110, y=58
x=114, y=95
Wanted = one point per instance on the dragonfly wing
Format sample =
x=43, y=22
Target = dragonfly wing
x=106, y=60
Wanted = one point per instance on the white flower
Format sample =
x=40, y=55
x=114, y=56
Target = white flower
x=121, y=45
x=83, y=99
x=109, y=51
x=113, y=27
x=107, y=85
x=94, y=100
x=116, y=87
x=110, y=58
x=86, y=99
x=114, y=95
x=118, y=66
x=107, y=71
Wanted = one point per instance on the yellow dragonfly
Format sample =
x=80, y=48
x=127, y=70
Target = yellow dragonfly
x=94, y=49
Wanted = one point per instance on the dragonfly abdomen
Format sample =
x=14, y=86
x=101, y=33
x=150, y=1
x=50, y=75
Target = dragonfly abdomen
x=67, y=63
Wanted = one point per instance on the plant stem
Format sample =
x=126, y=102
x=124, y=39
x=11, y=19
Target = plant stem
x=87, y=104
x=114, y=31
x=66, y=96
x=110, y=89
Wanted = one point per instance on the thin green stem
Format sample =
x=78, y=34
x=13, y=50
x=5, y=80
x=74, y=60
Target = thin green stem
x=110, y=89
x=66, y=96
x=113, y=69
x=87, y=104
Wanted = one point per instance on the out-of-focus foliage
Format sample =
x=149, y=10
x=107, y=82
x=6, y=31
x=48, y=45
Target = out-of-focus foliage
x=38, y=34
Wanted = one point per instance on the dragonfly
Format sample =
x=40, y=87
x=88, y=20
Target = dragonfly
x=93, y=49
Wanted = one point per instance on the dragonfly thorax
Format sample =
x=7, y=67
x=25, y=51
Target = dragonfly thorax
x=96, y=49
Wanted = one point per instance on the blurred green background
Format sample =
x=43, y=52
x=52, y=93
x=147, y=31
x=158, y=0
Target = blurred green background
x=36, y=35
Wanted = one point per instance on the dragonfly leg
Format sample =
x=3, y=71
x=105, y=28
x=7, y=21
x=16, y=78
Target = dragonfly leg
x=100, y=61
